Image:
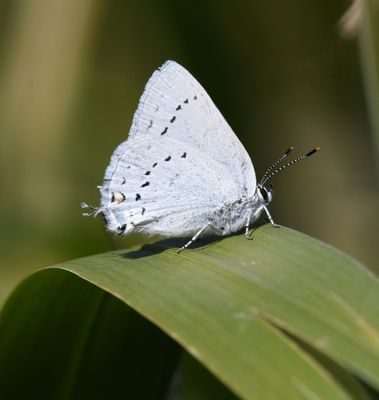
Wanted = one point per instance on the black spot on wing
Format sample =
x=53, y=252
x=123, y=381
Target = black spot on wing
x=164, y=130
x=184, y=155
x=118, y=196
x=178, y=108
x=145, y=184
x=185, y=101
x=143, y=210
x=155, y=164
x=168, y=158
x=138, y=197
x=122, y=228
x=195, y=97
x=173, y=119
x=147, y=173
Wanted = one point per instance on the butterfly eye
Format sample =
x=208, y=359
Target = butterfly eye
x=264, y=194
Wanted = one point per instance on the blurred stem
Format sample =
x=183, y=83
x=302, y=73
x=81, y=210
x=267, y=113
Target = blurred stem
x=369, y=47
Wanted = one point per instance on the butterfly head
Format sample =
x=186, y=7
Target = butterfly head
x=264, y=194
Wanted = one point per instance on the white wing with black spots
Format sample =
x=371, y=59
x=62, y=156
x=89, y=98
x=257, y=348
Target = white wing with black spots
x=159, y=188
x=180, y=162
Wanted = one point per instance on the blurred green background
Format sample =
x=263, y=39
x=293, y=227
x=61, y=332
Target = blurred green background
x=71, y=74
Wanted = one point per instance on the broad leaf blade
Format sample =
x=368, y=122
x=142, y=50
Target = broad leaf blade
x=316, y=292
x=62, y=338
x=223, y=304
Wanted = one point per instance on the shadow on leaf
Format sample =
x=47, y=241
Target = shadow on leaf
x=162, y=245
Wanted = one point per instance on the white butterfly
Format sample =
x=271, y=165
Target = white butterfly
x=182, y=172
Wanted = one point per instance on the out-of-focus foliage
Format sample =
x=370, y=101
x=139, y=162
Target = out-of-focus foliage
x=71, y=74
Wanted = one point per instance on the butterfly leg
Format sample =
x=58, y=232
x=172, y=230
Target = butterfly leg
x=247, y=233
x=193, y=239
x=270, y=218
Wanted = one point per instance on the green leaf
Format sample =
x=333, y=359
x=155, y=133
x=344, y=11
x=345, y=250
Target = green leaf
x=281, y=316
x=199, y=384
x=61, y=337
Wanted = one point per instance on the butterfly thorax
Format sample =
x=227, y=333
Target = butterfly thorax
x=232, y=217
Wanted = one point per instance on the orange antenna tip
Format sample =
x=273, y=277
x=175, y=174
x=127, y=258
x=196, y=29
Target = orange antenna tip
x=313, y=151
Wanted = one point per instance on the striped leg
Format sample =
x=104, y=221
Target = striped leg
x=193, y=239
x=270, y=218
x=247, y=233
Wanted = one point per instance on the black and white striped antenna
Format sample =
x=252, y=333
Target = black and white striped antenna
x=270, y=173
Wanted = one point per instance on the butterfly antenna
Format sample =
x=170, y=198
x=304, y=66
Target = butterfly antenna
x=280, y=159
x=268, y=176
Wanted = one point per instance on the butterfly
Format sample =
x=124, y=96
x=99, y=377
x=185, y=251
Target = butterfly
x=182, y=172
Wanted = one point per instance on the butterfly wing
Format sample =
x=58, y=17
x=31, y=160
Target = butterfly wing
x=180, y=161
x=162, y=187
x=175, y=105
